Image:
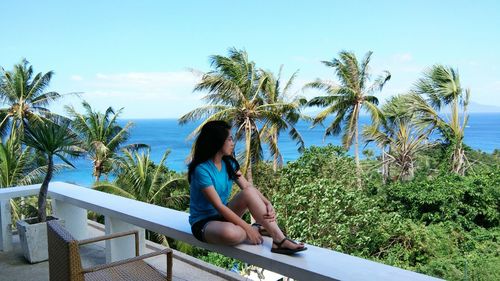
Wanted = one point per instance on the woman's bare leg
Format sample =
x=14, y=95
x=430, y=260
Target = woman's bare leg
x=249, y=199
x=225, y=233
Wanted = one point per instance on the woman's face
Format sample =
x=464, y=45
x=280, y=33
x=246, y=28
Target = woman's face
x=228, y=147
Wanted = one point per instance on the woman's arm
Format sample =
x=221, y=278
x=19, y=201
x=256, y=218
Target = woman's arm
x=230, y=216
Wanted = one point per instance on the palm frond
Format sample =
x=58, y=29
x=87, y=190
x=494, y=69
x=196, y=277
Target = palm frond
x=113, y=189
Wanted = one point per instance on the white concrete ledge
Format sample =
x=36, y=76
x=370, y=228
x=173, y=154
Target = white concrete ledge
x=19, y=191
x=314, y=264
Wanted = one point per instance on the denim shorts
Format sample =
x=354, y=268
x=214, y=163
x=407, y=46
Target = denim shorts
x=198, y=228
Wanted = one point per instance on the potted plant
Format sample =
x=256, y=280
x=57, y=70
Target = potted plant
x=51, y=137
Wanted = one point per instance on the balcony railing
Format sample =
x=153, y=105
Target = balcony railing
x=71, y=203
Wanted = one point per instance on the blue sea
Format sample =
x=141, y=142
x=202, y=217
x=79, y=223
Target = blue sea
x=482, y=132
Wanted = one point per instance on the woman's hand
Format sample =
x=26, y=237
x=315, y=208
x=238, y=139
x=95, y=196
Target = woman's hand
x=270, y=215
x=253, y=235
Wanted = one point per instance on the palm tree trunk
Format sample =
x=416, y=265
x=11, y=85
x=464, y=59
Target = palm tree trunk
x=97, y=176
x=356, y=148
x=22, y=204
x=275, y=163
x=412, y=170
x=249, y=173
x=277, y=155
x=42, y=195
x=97, y=170
x=458, y=157
x=248, y=131
x=356, y=153
x=385, y=169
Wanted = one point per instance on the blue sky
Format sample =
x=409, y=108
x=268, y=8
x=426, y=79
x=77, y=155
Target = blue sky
x=137, y=54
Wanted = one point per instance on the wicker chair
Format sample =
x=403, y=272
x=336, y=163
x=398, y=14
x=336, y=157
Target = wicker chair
x=65, y=263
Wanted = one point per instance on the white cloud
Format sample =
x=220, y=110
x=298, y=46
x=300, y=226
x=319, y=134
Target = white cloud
x=145, y=81
x=76, y=78
x=403, y=57
x=142, y=94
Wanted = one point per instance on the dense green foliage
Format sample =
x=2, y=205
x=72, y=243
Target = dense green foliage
x=446, y=225
x=470, y=201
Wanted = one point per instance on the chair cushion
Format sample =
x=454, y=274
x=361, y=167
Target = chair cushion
x=138, y=270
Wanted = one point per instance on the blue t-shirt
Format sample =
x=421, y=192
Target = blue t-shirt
x=206, y=174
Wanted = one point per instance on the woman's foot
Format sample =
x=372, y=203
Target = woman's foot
x=287, y=247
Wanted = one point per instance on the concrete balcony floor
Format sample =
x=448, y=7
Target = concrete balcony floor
x=13, y=266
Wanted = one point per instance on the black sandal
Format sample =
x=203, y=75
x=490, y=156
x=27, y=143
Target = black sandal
x=264, y=231
x=286, y=251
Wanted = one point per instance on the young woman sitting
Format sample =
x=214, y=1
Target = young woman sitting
x=215, y=219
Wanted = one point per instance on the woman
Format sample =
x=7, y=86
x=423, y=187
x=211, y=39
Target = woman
x=215, y=220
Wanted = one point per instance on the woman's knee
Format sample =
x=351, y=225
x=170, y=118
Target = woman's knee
x=250, y=192
x=233, y=235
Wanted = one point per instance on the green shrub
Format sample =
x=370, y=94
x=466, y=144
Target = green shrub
x=471, y=201
x=223, y=261
x=317, y=200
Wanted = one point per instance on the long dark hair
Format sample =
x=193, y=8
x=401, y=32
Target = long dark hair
x=210, y=140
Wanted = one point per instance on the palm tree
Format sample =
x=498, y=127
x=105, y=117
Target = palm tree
x=17, y=167
x=25, y=95
x=274, y=93
x=101, y=135
x=52, y=137
x=235, y=94
x=398, y=137
x=440, y=87
x=140, y=179
x=346, y=99
x=14, y=162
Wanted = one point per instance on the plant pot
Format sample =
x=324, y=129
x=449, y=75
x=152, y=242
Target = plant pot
x=33, y=238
